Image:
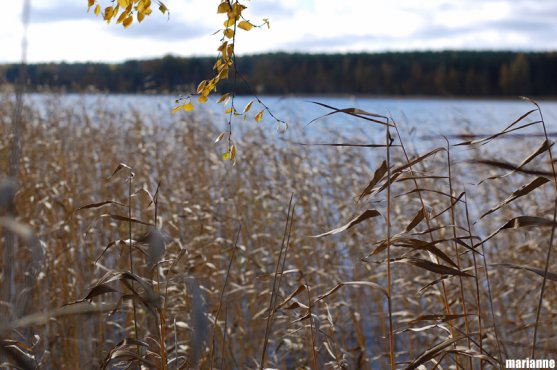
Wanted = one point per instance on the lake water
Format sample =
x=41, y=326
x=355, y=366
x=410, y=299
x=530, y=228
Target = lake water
x=419, y=119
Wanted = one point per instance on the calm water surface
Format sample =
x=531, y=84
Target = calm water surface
x=418, y=119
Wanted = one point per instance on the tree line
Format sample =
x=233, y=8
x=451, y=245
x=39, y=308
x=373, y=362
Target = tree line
x=445, y=73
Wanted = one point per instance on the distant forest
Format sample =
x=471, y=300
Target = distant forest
x=447, y=73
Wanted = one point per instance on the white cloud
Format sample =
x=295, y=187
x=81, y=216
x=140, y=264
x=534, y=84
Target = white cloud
x=63, y=30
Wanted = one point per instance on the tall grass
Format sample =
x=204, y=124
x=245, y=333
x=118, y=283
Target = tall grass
x=194, y=263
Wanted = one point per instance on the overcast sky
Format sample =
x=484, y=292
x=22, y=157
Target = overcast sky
x=62, y=30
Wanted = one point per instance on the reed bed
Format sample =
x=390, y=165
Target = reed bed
x=136, y=245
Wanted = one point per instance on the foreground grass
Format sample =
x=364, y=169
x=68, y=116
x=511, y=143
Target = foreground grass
x=221, y=271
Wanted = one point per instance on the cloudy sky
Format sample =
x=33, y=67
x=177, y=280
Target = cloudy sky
x=62, y=30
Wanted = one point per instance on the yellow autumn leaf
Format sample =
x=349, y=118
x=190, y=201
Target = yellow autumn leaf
x=202, y=99
x=228, y=32
x=123, y=3
x=176, y=109
x=122, y=17
x=223, y=7
x=220, y=137
x=97, y=9
x=222, y=46
x=233, y=153
x=230, y=50
x=145, y=4
x=201, y=86
x=236, y=11
x=128, y=21
x=223, y=74
x=259, y=116
x=245, y=25
x=224, y=98
x=248, y=107
x=228, y=110
x=91, y=3
x=108, y=12
x=226, y=156
x=229, y=22
x=140, y=16
x=188, y=106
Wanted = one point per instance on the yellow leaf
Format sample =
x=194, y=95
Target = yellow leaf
x=201, y=86
x=236, y=10
x=188, y=106
x=140, y=16
x=176, y=109
x=220, y=137
x=162, y=8
x=202, y=99
x=229, y=22
x=248, y=107
x=224, y=98
x=222, y=46
x=128, y=21
x=233, y=153
x=91, y=3
x=230, y=50
x=223, y=74
x=223, y=7
x=122, y=17
x=123, y=3
x=97, y=9
x=108, y=12
x=228, y=32
x=143, y=5
x=226, y=156
x=228, y=110
x=259, y=116
x=245, y=25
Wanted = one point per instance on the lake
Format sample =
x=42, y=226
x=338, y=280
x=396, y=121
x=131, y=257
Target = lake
x=419, y=119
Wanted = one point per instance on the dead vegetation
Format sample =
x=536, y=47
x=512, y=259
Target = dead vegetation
x=136, y=244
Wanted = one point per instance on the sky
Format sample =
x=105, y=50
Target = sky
x=63, y=30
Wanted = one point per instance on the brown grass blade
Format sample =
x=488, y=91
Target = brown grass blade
x=371, y=117
x=465, y=351
x=99, y=204
x=423, y=328
x=117, y=217
x=424, y=190
x=439, y=317
x=416, y=244
x=20, y=354
x=453, y=203
x=352, y=283
x=369, y=213
x=432, y=352
x=415, y=221
x=345, y=145
x=519, y=222
x=524, y=190
x=510, y=166
x=298, y=290
x=128, y=351
x=550, y=275
x=491, y=137
x=119, y=168
x=545, y=146
x=433, y=267
x=377, y=176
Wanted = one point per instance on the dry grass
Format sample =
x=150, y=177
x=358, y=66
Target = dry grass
x=221, y=271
